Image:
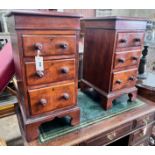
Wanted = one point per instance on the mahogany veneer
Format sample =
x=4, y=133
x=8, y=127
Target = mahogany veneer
x=111, y=56
x=52, y=92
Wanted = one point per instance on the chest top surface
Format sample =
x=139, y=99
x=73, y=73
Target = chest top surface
x=115, y=22
x=44, y=20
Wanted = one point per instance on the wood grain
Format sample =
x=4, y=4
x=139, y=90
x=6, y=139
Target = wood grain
x=53, y=71
x=54, y=97
x=124, y=59
x=56, y=36
x=51, y=44
x=124, y=78
x=89, y=132
x=111, y=44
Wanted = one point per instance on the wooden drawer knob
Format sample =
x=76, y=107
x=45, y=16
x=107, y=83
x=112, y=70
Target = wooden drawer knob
x=137, y=40
x=64, y=70
x=122, y=41
x=38, y=46
x=118, y=81
x=131, y=78
x=40, y=74
x=63, y=46
x=43, y=101
x=134, y=58
x=66, y=96
x=121, y=60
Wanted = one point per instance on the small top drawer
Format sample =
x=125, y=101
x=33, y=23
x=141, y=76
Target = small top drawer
x=127, y=40
x=49, y=45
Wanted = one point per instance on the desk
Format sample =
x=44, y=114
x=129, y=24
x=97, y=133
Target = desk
x=130, y=124
x=146, y=87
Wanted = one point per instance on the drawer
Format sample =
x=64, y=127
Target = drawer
x=49, y=45
x=132, y=39
x=52, y=98
x=142, y=121
x=54, y=71
x=143, y=143
x=124, y=59
x=106, y=138
x=140, y=135
x=124, y=79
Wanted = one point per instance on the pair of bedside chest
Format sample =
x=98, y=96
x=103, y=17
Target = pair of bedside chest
x=45, y=47
x=112, y=51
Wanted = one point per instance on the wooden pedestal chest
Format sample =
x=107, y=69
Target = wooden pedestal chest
x=52, y=91
x=112, y=50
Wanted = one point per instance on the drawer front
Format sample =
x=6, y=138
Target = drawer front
x=49, y=45
x=140, y=135
x=144, y=143
x=124, y=59
x=54, y=71
x=124, y=79
x=142, y=121
x=125, y=40
x=52, y=98
x=110, y=136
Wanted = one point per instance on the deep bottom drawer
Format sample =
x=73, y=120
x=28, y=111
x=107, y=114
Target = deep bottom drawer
x=52, y=98
x=124, y=79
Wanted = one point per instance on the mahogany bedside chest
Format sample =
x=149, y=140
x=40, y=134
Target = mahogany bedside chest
x=45, y=49
x=112, y=50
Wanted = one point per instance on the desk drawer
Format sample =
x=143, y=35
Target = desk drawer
x=114, y=134
x=124, y=79
x=140, y=134
x=143, y=143
x=54, y=71
x=49, y=45
x=124, y=59
x=129, y=39
x=52, y=98
x=142, y=121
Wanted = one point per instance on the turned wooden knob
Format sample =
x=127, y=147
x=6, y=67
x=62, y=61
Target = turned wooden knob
x=131, y=78
x=137, y=40
x=134, y=58
x=43, y=101
x=64, y=70
x=66, y=96
x=38, y=46
x=121, y=60
x=63, y=46
x=40, y=74
x=122, y=41
x=119, y=81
